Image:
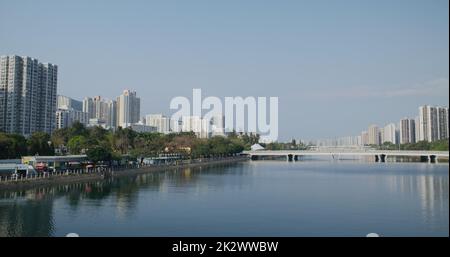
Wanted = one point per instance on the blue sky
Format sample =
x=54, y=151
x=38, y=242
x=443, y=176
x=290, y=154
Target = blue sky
x=336, y=66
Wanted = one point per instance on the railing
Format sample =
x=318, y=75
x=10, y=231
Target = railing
x=47, y=175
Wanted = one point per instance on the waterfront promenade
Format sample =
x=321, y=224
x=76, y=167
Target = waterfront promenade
x=98, y=173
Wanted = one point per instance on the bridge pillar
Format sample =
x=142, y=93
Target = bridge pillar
x=290, y=157
x=424, y=158
x=432, y=159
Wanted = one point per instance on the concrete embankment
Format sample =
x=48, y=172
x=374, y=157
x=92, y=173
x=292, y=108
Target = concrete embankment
x=87, y=177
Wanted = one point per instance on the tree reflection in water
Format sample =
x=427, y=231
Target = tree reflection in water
x=29, y=212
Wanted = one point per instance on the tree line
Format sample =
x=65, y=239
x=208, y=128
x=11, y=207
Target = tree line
x=104, y=145
x=293, y=145
x=14, y=146
x=440, y=145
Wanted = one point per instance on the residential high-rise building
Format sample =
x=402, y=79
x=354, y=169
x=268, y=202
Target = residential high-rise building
x=407, y=129
x=142, y=128
x=373, y=135
x=102, y=112
x=423, y=123
x=128, y=108
x=442, y=113
x=433, y=132
x=381, y=135
x=412, y=131
x=64, y=102
x=417, y=128
x=88, y=107
x=111, y=116
x=218, y=125
x=27, y=95
x=389, y=134
x=428, y=124
x=66, y=117
x=197, y=125
x=358, y=140
x=99, y=108
x=432, y=124
x=161, y=122
x=176, y=125
x=364, y=138
x=347, y=141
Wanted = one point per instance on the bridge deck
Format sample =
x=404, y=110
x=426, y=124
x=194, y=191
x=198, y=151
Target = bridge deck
x=349, y=152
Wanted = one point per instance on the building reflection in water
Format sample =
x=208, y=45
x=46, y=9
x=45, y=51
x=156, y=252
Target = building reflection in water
x=31, y=212
x=432, y=190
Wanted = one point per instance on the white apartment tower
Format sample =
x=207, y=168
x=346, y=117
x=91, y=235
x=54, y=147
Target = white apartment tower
x=364, y=138
x=111, y=109
x=197, y=125
x=128, y=108
x=101, y=110
x=373, y=135
x=428, y=123
x=417, y=128
x=88, y=107
x=218, y=125
x=27, y=95
x=390, y=134
x=161, y=122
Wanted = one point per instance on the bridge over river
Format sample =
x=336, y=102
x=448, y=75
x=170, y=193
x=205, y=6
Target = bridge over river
x=379, y=155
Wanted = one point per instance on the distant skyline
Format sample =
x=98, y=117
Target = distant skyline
x=336, y=66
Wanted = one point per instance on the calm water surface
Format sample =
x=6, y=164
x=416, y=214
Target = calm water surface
x=260, y=198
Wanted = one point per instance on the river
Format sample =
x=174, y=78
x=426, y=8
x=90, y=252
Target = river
x=254, y=198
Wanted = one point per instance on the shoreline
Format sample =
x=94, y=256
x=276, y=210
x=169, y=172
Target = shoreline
x=88, y=177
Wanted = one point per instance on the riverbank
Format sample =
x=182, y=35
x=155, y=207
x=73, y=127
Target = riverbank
x=68, y=178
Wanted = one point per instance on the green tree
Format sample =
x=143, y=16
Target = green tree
x=6, y=147
x=234, y=148
x=19, y=145
x=77, y=129
x=97, y=133
x=441, y=145
x=201, y=149
x=12, y=146
x=97, y=154
x=218, y=146
x=77, y=143
x=149, y=144
x=124, y=139
x=60, y=137
x=39, y=144
x=388, y=146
